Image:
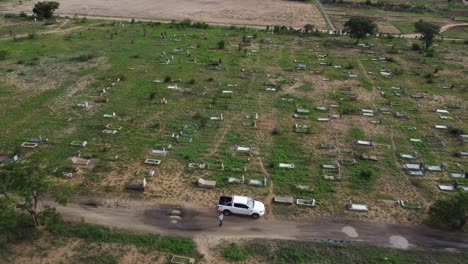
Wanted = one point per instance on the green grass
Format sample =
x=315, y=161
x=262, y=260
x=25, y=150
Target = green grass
x=44, y=78
x=363, y=175
x=95, y=233
x=309, y=252
x=306, y=88
x=404, y=27
x=234, y=253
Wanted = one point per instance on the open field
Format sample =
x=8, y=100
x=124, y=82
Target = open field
x=392, y=18
x=128, y=69
x=241, y=12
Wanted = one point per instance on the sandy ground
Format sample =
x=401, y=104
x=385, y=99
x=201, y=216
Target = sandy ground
x=238, y=12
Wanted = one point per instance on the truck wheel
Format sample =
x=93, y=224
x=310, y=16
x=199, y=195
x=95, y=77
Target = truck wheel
x=226, y=212
x=255, y=216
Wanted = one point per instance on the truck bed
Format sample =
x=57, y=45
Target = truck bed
x=223, y=200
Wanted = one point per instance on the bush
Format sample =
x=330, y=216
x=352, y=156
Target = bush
x=3, y=54
x=167, y=79
x=192, y=81
x=221, y=44
x=416, y=46
x=363, y=175
x=23, y=15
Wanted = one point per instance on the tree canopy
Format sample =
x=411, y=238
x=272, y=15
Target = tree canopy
x=360, y=27
x=45, y=9
x=450, y=213
x=428, y=31
x=22, y=186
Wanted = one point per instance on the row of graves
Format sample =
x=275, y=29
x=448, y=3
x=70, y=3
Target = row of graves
x=450, y=173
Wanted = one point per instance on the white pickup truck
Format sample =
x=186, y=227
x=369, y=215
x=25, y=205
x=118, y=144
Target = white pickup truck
x=241, y=205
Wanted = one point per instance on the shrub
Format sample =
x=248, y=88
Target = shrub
x=23, y=15
x=167, y=79
x=3, y=54
x=192, y=81
x=221, y=44
x=415, y=46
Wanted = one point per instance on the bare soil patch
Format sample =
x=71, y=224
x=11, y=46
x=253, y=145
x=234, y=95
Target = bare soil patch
x=241, y=12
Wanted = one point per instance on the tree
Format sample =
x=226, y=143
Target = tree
x=308, y=28
x=360, y=27
x=23, y=186
x=428, y=31
x=221, y=44
x=451, y=213
x=45, y=9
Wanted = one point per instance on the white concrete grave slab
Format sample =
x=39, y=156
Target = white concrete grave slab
x=83, y=105
x=162, y=151
x=113, y=115
x=202, y=183
x=236, y=180
x=447, y=188
x=286, y=165
x=364, y=143
x=256, y=182
x=217, y=118
x=442, y=111
x=110, y=131
x=357, y=207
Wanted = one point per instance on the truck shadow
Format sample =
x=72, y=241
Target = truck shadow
x=175, y=217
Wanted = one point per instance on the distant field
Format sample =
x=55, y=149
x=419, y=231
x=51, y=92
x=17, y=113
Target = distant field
x=241, y=12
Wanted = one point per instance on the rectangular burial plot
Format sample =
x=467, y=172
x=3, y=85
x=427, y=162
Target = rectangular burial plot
x=202, y=183
x=284, y=199
x=149, y=173
x=286, y=165
x=256, y=182
x=365, y=143
x=302, y=128
x=308, y=202
x=78, y=143
x=214, y=166
x=357, y=207
x=197, y=165
x=182, y=260
x=447, y=188
x=236, y=180
x=29, y=145
x=153, y=162
x=136, y=186
x=409, y=205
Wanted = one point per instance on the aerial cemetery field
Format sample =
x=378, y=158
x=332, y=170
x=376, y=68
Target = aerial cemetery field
x=196, y=112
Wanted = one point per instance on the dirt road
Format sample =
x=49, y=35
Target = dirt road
x=238, y=12
x=199, y=223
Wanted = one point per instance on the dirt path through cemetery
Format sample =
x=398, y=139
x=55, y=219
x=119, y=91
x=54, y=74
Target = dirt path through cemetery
x=201, y=225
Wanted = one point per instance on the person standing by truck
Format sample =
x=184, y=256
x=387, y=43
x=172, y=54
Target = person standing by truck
x=221, y=219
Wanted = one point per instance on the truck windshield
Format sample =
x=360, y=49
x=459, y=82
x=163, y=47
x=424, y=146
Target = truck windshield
x=250, y=203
